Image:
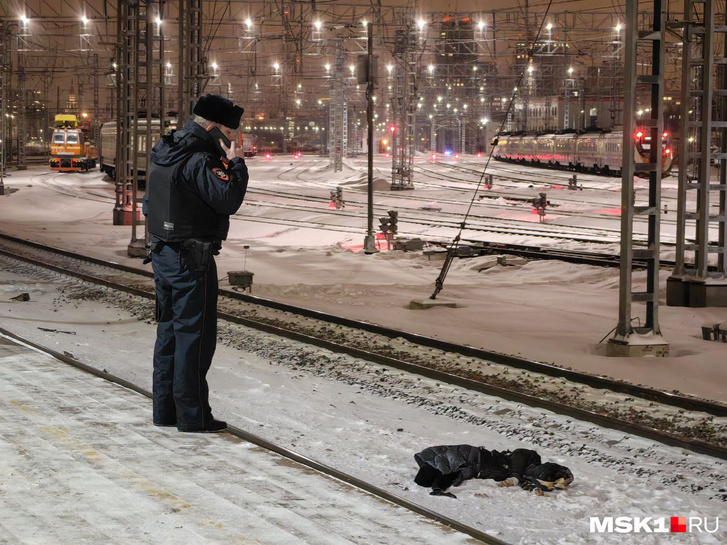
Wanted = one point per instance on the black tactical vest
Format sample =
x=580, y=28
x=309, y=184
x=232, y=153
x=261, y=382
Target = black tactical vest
x=174, y=210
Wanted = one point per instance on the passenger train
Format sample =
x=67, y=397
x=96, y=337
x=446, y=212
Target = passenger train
x=598, y=153
x=247, y=141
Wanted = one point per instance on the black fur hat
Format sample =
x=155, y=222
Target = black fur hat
x=219, y=109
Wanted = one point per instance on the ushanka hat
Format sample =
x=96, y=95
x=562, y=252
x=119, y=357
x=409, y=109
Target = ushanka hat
x=219, y=109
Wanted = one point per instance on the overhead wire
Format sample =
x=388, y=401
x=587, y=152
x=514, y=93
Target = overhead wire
x=439, y=282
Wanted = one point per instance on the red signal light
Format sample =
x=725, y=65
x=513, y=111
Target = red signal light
x=665, y=135
x=667, y=151
x=392, y=128
x=639, y=134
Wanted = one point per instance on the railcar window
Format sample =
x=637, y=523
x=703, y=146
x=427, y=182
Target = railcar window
x=58, y=138
x=71, y=138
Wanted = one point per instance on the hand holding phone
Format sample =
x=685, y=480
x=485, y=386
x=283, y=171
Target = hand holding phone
x=232, y=151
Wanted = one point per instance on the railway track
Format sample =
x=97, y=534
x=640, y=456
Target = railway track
x=668, y=417
x=280, y=450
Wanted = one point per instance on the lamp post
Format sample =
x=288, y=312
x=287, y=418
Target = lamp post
x=369, y=240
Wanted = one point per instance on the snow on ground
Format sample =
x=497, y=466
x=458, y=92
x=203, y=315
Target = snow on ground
x=369, y=421
x=548, y=311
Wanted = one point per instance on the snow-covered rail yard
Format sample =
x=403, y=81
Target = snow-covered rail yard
x=366, y=419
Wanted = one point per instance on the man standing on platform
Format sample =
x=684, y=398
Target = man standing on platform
x=197, y=179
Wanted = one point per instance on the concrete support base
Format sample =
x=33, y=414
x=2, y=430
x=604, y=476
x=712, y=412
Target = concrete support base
x=122, y=216
x=422, y=304
x=137, y=248
x=689, y=293
x=637, y=346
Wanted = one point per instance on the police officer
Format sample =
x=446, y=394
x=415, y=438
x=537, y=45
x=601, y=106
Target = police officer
x=197, y=179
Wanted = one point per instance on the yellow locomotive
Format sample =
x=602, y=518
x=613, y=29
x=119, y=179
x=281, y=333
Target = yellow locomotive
x=70, y=150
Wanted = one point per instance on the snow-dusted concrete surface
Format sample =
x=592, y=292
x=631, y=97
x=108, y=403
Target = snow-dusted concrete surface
x=369, y=421
x=547, y=311
x=82, y=463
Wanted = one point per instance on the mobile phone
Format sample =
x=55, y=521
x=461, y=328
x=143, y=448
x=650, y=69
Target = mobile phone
x=216, y=134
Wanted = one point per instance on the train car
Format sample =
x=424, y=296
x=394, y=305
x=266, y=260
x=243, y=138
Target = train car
x=598, y=153
x=248, y=143
x=107, y=159
x=70, y=149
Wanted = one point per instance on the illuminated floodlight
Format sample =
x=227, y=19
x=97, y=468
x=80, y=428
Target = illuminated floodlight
x=114, y=65
x=158, y=20
x=549, y=27
x=481, y=25
x=248, y=22
x=24, y=19
x=328, y=67
x=431, y=69
x=422, y=23
x=276, y=66
x=618, y=27
x=169, y=64
x=389, y=67
x=439, y=99
x=484, y=120
x=214, y=66
x=352, y=68
x=365, y=23
x=570, y=70
x=84, y=20
x=531, y=68
x=318, y=25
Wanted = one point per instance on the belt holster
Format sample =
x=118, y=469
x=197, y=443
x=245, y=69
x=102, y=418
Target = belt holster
x=200, y=252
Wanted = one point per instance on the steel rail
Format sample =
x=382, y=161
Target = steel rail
x=601, y=420
x=280, y=450
x=594, y=381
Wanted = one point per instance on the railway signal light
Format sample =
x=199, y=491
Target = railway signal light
x=639, y=135
x=384, y=225
x=393, y=221
x=337, y=198
x=392, y=129
x=540, y=204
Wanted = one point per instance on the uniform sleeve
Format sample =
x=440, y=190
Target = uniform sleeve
x=222, y=188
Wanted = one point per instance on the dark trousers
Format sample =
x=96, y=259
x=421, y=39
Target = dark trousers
x=186, y=312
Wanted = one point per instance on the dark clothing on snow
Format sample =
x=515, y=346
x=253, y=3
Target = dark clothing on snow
x=450, y=465
x=191, y=192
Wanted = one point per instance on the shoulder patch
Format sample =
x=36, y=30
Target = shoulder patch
x=221, y=174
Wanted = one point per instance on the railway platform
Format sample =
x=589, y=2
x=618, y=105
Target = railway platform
x=81, y=462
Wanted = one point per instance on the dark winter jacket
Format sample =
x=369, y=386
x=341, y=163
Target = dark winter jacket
x=192, y=190
x=468, y=461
